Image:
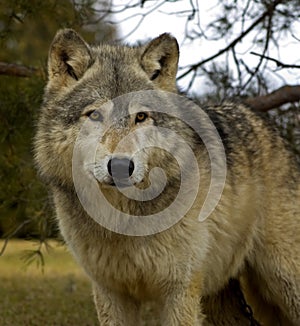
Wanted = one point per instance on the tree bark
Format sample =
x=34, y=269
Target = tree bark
x=13, y=69
x=282, y=95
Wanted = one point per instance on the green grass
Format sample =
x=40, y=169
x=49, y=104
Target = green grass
x=59, y=296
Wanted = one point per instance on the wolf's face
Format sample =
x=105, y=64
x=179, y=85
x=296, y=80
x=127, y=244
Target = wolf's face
x=136, y=154
x=111, y=122
x=81, y=80
x=121, y=155
x=133, y=141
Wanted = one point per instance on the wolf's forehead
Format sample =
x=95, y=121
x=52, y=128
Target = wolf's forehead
x=116, y=71
x=133, y=102
x=115, y=54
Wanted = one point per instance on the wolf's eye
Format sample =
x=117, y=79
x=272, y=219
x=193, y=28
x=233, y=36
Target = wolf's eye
x=94, y=115
x=141, y=117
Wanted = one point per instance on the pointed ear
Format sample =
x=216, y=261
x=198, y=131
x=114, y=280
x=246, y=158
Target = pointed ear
x=160, y=61
x=69, y=58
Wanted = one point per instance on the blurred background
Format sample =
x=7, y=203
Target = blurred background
x=233, y=49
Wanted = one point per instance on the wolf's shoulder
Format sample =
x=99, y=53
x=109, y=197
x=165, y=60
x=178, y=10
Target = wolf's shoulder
x=245, y=133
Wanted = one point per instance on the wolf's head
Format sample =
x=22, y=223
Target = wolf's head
x=111, y=115
x=81, y=79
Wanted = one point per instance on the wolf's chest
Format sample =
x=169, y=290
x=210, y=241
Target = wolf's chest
x=138, y=272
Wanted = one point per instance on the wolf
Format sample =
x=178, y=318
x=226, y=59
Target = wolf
x=112, y=126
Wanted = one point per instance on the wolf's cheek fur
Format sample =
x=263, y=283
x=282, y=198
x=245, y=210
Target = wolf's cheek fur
x=57, y=145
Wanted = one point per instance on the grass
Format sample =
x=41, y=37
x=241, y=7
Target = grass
x=58, y=296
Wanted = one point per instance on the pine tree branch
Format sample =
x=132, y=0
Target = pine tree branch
x=12, y=234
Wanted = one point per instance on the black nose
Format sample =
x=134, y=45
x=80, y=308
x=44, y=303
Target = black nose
x=120, y=168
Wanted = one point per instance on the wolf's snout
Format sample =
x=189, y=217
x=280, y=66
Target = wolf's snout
x=120, y=168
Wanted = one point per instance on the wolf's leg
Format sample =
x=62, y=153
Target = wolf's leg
x=182, y=307
x=266, y=313
x=227, y=307
x=115, y=309
x=273, y=287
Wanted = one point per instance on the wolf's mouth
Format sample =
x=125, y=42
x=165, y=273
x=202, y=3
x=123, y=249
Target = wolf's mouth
x=120, y=184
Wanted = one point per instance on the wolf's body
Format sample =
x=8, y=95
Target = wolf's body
x=252, y=235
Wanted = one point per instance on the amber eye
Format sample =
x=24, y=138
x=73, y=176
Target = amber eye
x=94, y=115
x=141, y=117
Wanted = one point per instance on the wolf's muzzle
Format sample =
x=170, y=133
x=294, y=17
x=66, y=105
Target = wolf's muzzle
x=120, y=169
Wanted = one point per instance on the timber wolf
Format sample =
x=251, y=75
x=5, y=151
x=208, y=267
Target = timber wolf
x=252, y=235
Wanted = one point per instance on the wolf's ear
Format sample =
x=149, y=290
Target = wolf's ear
x=160, y=61
x=69, y=58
